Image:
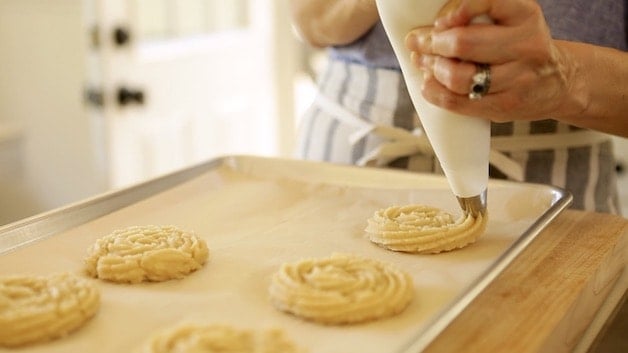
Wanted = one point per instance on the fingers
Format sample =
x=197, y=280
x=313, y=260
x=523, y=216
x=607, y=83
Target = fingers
x=456, y=76
x=486, y=107
x=453, y=75
x=517, y=45
x=479, y=43
x=508, y=13
x=448, y=8
x=518, y=28
x=514, y=94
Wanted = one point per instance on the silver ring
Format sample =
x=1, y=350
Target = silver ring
x=481, y=82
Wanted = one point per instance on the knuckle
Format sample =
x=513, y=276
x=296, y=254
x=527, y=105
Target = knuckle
x=445, y=76
x=509, y=105
x=448, y=101
x=460, y=82
x=460, y=44
x=451, y=44
x=453, y=76
x=439, y=96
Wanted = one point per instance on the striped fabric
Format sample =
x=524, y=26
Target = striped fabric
x=379, y=96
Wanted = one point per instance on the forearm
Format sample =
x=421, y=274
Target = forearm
x=333, y=22
x=598, y=95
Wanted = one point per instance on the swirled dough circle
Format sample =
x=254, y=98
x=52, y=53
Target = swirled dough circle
x=341, y=289
x=146, y=253
x=41, y=308
x=197, y=337
x=423, y=229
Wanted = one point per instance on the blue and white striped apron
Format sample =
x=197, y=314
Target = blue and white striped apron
x=364, y=116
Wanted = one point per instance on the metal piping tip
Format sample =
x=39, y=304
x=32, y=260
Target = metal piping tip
x=474, y=205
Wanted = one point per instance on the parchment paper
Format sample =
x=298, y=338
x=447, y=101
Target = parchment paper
x=256, y=214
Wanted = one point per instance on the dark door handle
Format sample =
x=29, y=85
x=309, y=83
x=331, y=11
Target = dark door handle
x=128, y=96
x=121, y=36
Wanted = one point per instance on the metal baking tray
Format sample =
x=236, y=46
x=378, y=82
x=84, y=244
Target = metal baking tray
x=258, y=212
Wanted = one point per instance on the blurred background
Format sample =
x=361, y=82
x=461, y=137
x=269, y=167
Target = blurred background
x=101, y=94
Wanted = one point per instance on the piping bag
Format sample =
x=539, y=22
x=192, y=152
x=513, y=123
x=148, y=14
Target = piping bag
x=461, y=143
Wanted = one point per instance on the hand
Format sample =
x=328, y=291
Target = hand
x=531, y=77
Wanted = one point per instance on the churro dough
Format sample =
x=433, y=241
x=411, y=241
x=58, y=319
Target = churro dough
x=197, y=337
x=41, y=308
x=341, y=289
x=146, y=253
x=423, y=229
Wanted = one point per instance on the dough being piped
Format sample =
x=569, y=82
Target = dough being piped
x=423, y=229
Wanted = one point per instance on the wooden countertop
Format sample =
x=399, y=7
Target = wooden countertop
x=548, y=298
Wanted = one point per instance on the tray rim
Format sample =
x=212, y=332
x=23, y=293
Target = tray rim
x=438, y=324
x=29, y=230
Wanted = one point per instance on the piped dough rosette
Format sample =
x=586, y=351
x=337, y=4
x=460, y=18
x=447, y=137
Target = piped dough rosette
x=146, y=253
x=423, y=229
x=41, y=308
x=198, y=337
x=341, y=289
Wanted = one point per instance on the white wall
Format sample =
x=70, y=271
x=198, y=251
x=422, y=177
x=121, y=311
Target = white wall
x=66, y=153
x=42, y=70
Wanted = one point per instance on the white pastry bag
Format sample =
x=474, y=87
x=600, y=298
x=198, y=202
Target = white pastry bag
x=461, y=143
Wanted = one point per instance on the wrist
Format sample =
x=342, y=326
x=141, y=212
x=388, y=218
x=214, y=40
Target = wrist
x=597, y=95
x=576, y=97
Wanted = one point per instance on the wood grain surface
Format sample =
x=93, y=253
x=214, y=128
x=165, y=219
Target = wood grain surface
x=546, y=299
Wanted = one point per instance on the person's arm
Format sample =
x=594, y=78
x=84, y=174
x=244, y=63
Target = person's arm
x=333, y=22
x=532, y=76
x=600, y=83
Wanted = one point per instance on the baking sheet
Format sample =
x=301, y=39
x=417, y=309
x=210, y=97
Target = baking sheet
x=255, y=214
